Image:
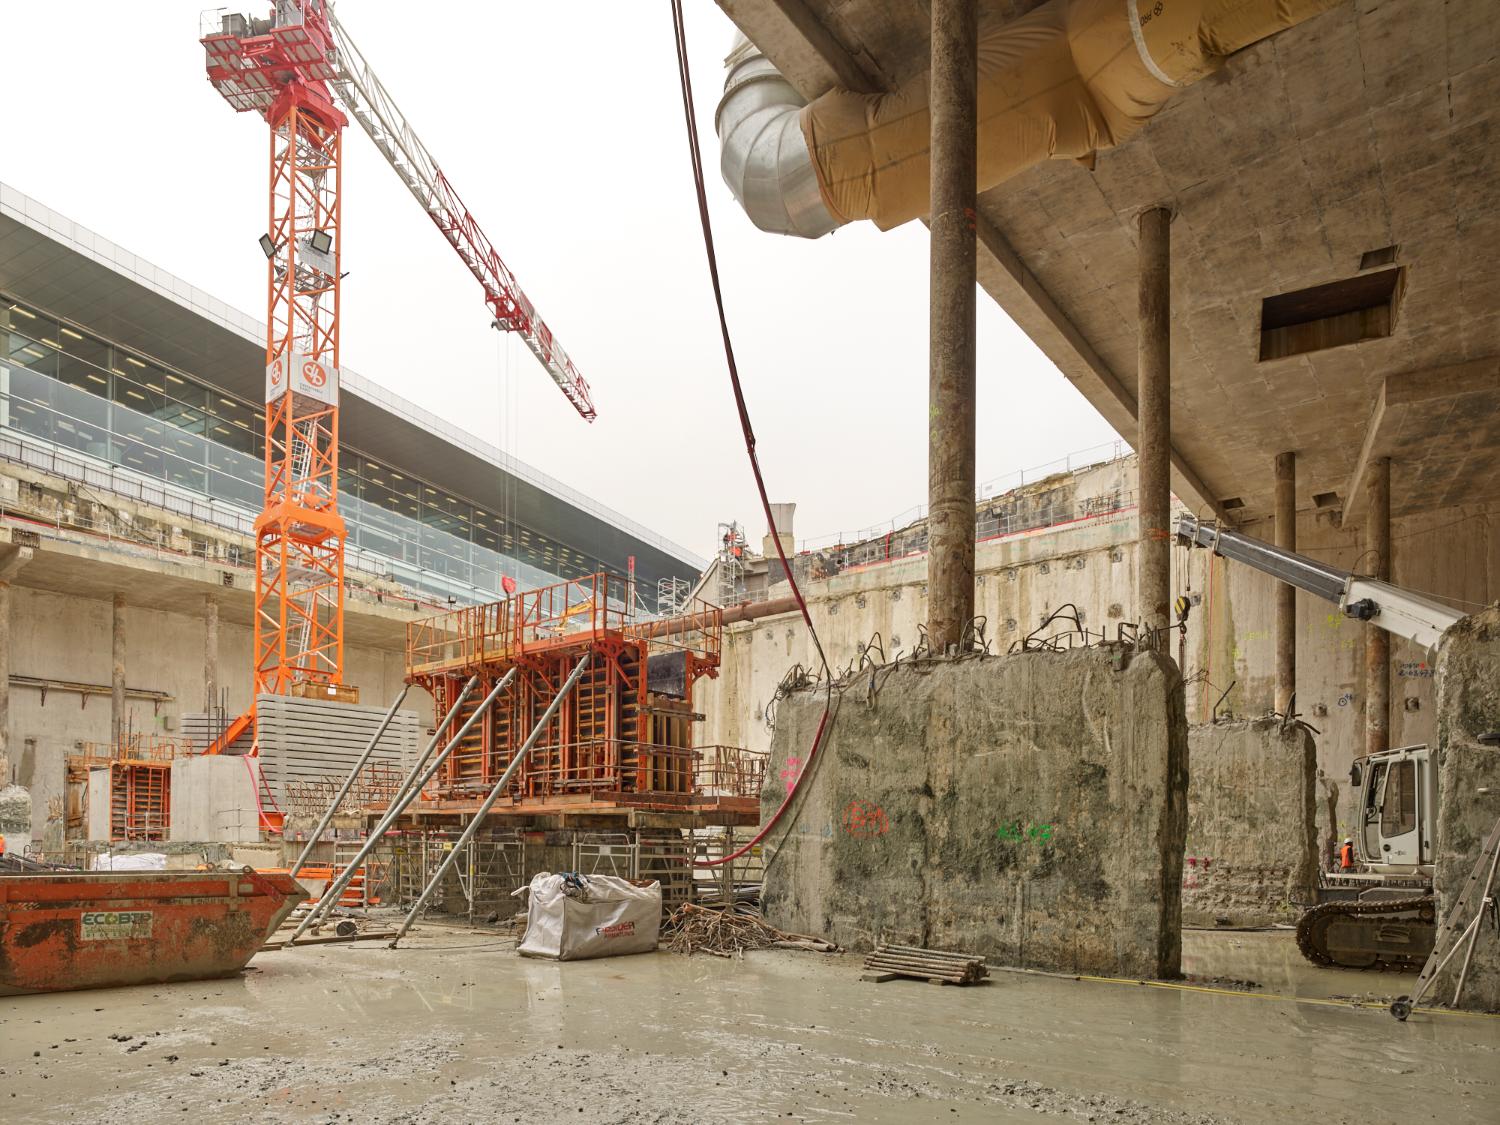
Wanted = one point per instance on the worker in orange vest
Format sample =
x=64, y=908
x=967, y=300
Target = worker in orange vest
x=1346, y=856
x=2, y=845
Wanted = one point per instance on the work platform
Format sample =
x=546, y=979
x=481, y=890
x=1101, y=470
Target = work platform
x=620, y=747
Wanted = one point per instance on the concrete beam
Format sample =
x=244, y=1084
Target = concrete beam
x=805, y=51
x=1006, y=278
x=86, y=568
x=12, y=559
x=1436, y=419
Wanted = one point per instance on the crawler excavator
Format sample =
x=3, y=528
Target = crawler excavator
x=1382, y=913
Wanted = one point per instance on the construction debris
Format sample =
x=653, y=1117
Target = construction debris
x=934, y=965
x=728, y=933
x=339, y=937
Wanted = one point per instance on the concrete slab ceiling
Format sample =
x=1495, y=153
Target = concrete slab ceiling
x=1371, y=126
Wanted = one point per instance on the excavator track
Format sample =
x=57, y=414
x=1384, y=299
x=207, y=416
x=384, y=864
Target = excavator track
x=1395, y=933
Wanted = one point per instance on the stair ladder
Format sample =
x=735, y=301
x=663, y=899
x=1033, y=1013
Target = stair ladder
x=1475, y=901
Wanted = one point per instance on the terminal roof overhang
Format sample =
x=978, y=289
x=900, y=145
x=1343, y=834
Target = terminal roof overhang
x=78, y=275
x=1367, y=126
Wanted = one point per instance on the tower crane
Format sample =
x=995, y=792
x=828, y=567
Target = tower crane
x=300, y=70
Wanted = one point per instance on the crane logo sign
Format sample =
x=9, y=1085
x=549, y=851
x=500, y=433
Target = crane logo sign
x=311, y=378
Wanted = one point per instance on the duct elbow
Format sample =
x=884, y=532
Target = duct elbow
x=763, y=154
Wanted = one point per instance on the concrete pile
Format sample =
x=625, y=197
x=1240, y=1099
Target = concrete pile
x=1468, y=678
x=1251, y=836
x=1030, y=808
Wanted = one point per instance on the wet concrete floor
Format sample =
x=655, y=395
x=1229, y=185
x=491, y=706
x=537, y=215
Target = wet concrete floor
x=458, y=1028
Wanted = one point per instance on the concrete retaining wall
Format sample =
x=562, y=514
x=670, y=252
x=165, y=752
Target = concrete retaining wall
x=1468, y=706
x=1091, y=562
x=1029, y=808
x=1251, y=837
x=68, y=638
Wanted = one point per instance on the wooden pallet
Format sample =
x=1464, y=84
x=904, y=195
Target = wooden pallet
x=936, y=966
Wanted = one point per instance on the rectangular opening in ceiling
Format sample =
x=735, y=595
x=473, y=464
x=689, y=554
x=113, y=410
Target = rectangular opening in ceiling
x=1331, y=315
x=1382, y=257
x=1325, y=499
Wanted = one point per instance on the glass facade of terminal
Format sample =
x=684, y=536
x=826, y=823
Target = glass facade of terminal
x=64, y=385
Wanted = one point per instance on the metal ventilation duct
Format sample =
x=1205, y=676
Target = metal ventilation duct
x=762, y=152
x=1061, y=82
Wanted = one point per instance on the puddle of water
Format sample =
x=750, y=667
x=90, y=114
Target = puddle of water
x=458, y=1027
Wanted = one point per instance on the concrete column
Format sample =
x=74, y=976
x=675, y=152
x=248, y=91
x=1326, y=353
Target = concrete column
x=117, y=717
x=12, y=559
x=5, y=772
x=1154, y=419
x=1376, y=560
x=950, y=389
x=1286, y=594
x=210, y=653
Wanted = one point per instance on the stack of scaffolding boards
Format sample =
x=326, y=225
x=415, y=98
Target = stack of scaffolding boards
x=936, y=966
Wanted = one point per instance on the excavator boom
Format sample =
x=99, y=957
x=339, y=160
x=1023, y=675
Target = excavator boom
x=1403, y=613
x=1383, y=916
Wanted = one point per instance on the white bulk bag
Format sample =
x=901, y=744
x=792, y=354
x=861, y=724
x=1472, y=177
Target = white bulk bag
x=571, y=917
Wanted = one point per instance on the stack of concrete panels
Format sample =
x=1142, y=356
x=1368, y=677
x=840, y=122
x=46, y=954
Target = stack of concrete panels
x=304, y=740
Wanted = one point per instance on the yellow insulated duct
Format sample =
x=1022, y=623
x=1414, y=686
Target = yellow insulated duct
x=1063, y=81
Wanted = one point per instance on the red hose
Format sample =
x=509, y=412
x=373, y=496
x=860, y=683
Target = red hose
x=746, y=430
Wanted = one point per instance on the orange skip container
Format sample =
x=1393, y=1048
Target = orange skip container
x=62, y=931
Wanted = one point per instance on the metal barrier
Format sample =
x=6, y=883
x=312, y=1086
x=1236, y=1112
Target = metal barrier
x=730, y=771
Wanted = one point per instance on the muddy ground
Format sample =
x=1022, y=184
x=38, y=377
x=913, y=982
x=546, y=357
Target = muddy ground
x=458, y=1028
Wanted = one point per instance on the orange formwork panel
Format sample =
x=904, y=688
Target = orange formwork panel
x=616, y=737
x=140, y=800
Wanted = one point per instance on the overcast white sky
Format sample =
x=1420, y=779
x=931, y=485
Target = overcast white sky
x=560, y=124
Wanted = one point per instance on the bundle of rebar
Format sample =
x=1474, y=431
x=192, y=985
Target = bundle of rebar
x=937, y=965
x=728, y=933
x=376, y=786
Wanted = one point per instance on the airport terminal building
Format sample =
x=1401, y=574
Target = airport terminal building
x=131, y=469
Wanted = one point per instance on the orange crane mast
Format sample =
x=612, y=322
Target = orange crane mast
x=294, y=67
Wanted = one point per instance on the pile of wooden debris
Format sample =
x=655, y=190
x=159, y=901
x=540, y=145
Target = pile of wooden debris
x=728, y=933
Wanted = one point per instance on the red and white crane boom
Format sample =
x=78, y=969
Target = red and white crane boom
x=372, y=106
x=292, y=67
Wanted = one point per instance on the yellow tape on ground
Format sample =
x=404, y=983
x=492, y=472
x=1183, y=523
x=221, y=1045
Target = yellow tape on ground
x=1256, y=995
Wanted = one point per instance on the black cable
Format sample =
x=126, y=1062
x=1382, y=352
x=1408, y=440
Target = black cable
x=747, y=431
